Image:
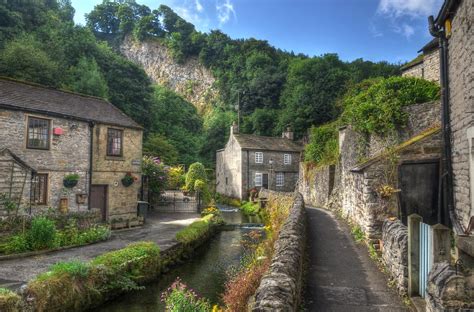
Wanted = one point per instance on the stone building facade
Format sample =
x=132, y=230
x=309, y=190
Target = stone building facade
x=251, y=161
x=425, y=65
x=57, y=133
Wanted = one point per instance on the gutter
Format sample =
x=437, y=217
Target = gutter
x=91, y=149
x=437, y=31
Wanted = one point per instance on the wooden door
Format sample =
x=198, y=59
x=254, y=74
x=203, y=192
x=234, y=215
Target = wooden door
x=265, y=180
x=419, y=184
x=99, y=199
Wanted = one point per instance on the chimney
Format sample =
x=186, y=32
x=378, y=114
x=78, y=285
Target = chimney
x=288, y=134
x=234, y=129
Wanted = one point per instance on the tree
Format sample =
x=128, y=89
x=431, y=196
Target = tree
x=158, y=145
x=87, y=78
x=196, y=172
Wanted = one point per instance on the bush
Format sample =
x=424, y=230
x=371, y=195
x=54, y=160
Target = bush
x=210, y=210
x=229, y=201
x=323, y=146
x=9, y=301
x=155, y=171
x=196, y=172
x=249, y=208
x=375, y=106
x=42, y=234
x=73, y=268
x=178, y=298
x=17, y=244
x=176, y=178
x=198, y=229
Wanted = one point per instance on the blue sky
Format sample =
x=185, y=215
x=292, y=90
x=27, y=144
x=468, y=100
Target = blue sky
x=392, y=30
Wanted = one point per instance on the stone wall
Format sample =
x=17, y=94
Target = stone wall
x=427, y=69
x=395, y=253
x=191, y=79
x=68, y=153
x=229, y=169
x=280, y=288
x=448, y=290
x=109, y=170
x=318, y=185
x=461, y=88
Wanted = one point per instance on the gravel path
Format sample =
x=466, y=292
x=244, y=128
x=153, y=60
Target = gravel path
x=160, y=228
x=341, y=276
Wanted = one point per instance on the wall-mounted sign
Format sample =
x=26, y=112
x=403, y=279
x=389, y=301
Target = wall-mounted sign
x=136, y=162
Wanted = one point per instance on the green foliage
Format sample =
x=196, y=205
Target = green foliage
x=376, y=106
x=7, y=204
x=133, y=252
x=72, y=177
x=158, y=145
x=249, y=208
x=222, y=199
x=196, y=172
x=17, y=244
x=179, y=298
x=87, y=78
x=155, y=171
x=323, y=147
x=198, y=229
x=176, y=177
x=42, y=234
x=74, y=268
x=9, y=301
x=358, y=234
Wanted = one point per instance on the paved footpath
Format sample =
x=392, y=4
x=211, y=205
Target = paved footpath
x=160, y=228
x=341, y=276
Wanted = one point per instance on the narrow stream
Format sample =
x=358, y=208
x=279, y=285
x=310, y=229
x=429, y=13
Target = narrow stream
x=205, y=273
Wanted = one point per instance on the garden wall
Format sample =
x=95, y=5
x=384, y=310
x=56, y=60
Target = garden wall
x=280, y=288
x=395, y=253
x=319, y=184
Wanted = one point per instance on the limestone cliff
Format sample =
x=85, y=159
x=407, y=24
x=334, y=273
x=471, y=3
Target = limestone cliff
x=191, y=80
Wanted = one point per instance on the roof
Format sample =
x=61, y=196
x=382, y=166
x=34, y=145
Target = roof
x=430, y=46
x=250, y=141
x=447, y=9
x=382, y=155
x=417, y=60
x=41, y=99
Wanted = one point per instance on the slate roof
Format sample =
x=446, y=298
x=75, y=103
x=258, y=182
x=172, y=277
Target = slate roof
x=40, y=99
x=257, y=142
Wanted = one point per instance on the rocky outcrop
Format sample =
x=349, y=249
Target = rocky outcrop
x=395, y=253
x=191, y=80
x=280, y=288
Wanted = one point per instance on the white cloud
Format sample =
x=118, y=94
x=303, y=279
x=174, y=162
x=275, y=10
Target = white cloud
x=374, y=30
x=407, y=30
x=199, y=6
x=414, y=8
x=225, y=10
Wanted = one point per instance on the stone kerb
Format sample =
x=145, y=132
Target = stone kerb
x=280, y=288
x=395, y=253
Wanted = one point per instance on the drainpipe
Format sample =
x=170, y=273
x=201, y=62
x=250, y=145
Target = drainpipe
x=91, y=149
x=447, y=169
x=248, y=170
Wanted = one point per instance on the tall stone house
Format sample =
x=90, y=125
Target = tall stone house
x=454, y=30
x=426, y=64
x=252, y=161
x=48, y=134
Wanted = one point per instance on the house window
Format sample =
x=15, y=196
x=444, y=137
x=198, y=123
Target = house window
x=40, y=189
x=258, y=179
x=258, y=157
x=287, y=159
x=280, y=179
x=38, y=133
x=114, y=142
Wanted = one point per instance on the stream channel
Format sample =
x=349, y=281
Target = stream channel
x=205, y=272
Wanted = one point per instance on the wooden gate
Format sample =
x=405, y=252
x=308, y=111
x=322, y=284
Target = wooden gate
x=426, y=262
x=419, y=185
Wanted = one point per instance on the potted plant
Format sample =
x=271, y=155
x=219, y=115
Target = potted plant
x=71, y=180
x=128, y=179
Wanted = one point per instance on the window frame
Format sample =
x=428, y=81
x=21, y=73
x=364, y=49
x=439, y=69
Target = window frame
x=280, y=177
x=108, y=152
x=259, y=157
x=28, y=139
x=45, y=189
x=259, y=174
x=287, y=159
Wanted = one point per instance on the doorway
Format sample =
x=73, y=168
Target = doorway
x=99, y=199
x=265, y=180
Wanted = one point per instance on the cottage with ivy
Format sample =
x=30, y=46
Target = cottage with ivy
x=253, y=162
x=66, y=151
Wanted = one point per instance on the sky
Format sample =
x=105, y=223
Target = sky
x=376, y=30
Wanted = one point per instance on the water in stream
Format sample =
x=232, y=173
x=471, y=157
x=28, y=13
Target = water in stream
x=205, y=272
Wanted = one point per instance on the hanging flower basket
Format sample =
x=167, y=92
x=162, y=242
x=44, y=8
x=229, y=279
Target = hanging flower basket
x=128, y=179
x=71, y=180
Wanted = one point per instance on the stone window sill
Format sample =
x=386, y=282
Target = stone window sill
x=116, y=158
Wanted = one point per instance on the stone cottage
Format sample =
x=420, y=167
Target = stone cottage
x=425, y=65
x=252, y=161
x=51, y=134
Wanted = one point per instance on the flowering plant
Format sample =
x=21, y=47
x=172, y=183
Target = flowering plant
x=154, y=170
x=128, y=179
x=178, y=297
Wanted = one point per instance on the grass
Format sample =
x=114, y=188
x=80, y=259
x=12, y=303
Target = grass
x=198, y=229
x=9, y=300
x=358, y=234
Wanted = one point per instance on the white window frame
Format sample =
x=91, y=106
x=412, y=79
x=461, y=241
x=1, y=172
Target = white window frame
x=258, y=179
x=287, y=159
x=258, y=157
x=280, y=179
